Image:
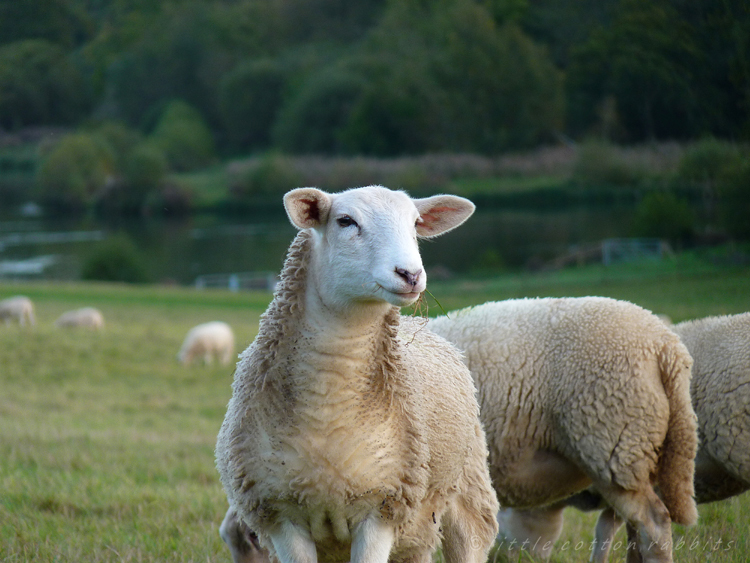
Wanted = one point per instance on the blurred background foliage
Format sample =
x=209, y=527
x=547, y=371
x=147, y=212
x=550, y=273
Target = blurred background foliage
x=123, y=96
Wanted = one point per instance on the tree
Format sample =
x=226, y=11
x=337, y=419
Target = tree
x=75, y=171
x=250, y=97
x=39, y=86
x=61, y=22
x=645, y=61
x=184, y=136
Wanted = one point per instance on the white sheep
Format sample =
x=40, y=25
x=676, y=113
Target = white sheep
x=86, y=317
x=19, y=308
x=577, y=393
x=208, y=340
x=720, y=389
x=720, y=347
x=353, y=433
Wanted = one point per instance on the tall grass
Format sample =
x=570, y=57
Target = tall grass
x=106, y=442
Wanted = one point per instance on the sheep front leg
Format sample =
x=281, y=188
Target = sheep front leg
x=293, y=544
x=372, y=540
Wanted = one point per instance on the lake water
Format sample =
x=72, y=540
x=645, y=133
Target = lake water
x=179, y=251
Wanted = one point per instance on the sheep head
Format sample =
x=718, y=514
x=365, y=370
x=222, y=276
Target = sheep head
x=365, y=241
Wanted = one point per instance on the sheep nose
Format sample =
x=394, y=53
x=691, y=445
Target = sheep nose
x=410, y=277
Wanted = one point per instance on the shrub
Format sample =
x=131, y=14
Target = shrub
x=313, y=120
x=144, y=169
x=661, y=214
x=121, y=139
x=269, y=178
x=115, y=259
x=600, y=164
x=734, y=199
x=39, y=85
x=170, y=200
x=249, y=100
x=705, y=162
x=184, y=137
x=75, y=171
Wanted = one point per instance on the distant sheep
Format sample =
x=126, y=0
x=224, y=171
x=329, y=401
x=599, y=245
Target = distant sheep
x=87, y=317
x=208, y=341
x=353, y=433
x=583, y=392
x=18, y=308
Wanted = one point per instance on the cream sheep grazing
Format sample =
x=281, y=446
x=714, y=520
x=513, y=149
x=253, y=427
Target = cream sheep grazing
x=19, y=308
x=577, y=393
x=86, y=317
x=208, y=340
x=720, y=389
x=352, y=433
x=720, y=347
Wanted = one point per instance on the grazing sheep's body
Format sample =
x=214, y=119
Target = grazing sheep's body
x=720, y=389
x=583, y=392
x=86, y=317
x=720, y=392
x=352, y=433
x=17, y=308
x=208, y=340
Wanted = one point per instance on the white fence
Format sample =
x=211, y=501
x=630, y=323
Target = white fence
x=627, y=249
x=263, y=281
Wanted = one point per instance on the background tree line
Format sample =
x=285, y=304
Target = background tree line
x=174, y=85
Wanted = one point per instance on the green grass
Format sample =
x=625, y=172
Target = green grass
x=106, y=442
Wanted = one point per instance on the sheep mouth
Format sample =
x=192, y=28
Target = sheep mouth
x=405, y=297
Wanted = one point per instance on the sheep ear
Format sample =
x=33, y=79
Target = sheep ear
x=441, y=213
x=307, y=208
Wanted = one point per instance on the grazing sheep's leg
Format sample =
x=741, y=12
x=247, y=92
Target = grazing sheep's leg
x=466, y=538
x=535, y=530
x=293, y=544
x=372, y=540
x=649, y=519
x=606, y=527
x=634, y=553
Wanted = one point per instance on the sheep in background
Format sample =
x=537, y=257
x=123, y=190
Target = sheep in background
x=584, y=392
x=353, y=433
x=86, y=317
x=208, y=340
x=18, y=308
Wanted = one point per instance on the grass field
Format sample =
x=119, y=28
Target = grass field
x=106, y=442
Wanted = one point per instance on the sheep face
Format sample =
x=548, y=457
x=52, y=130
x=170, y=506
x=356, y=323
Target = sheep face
x=365, y=241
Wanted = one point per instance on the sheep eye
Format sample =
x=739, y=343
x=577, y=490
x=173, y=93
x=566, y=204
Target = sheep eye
x=346, y=221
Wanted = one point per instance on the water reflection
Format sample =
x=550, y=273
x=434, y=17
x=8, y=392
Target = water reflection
x=180, y=250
